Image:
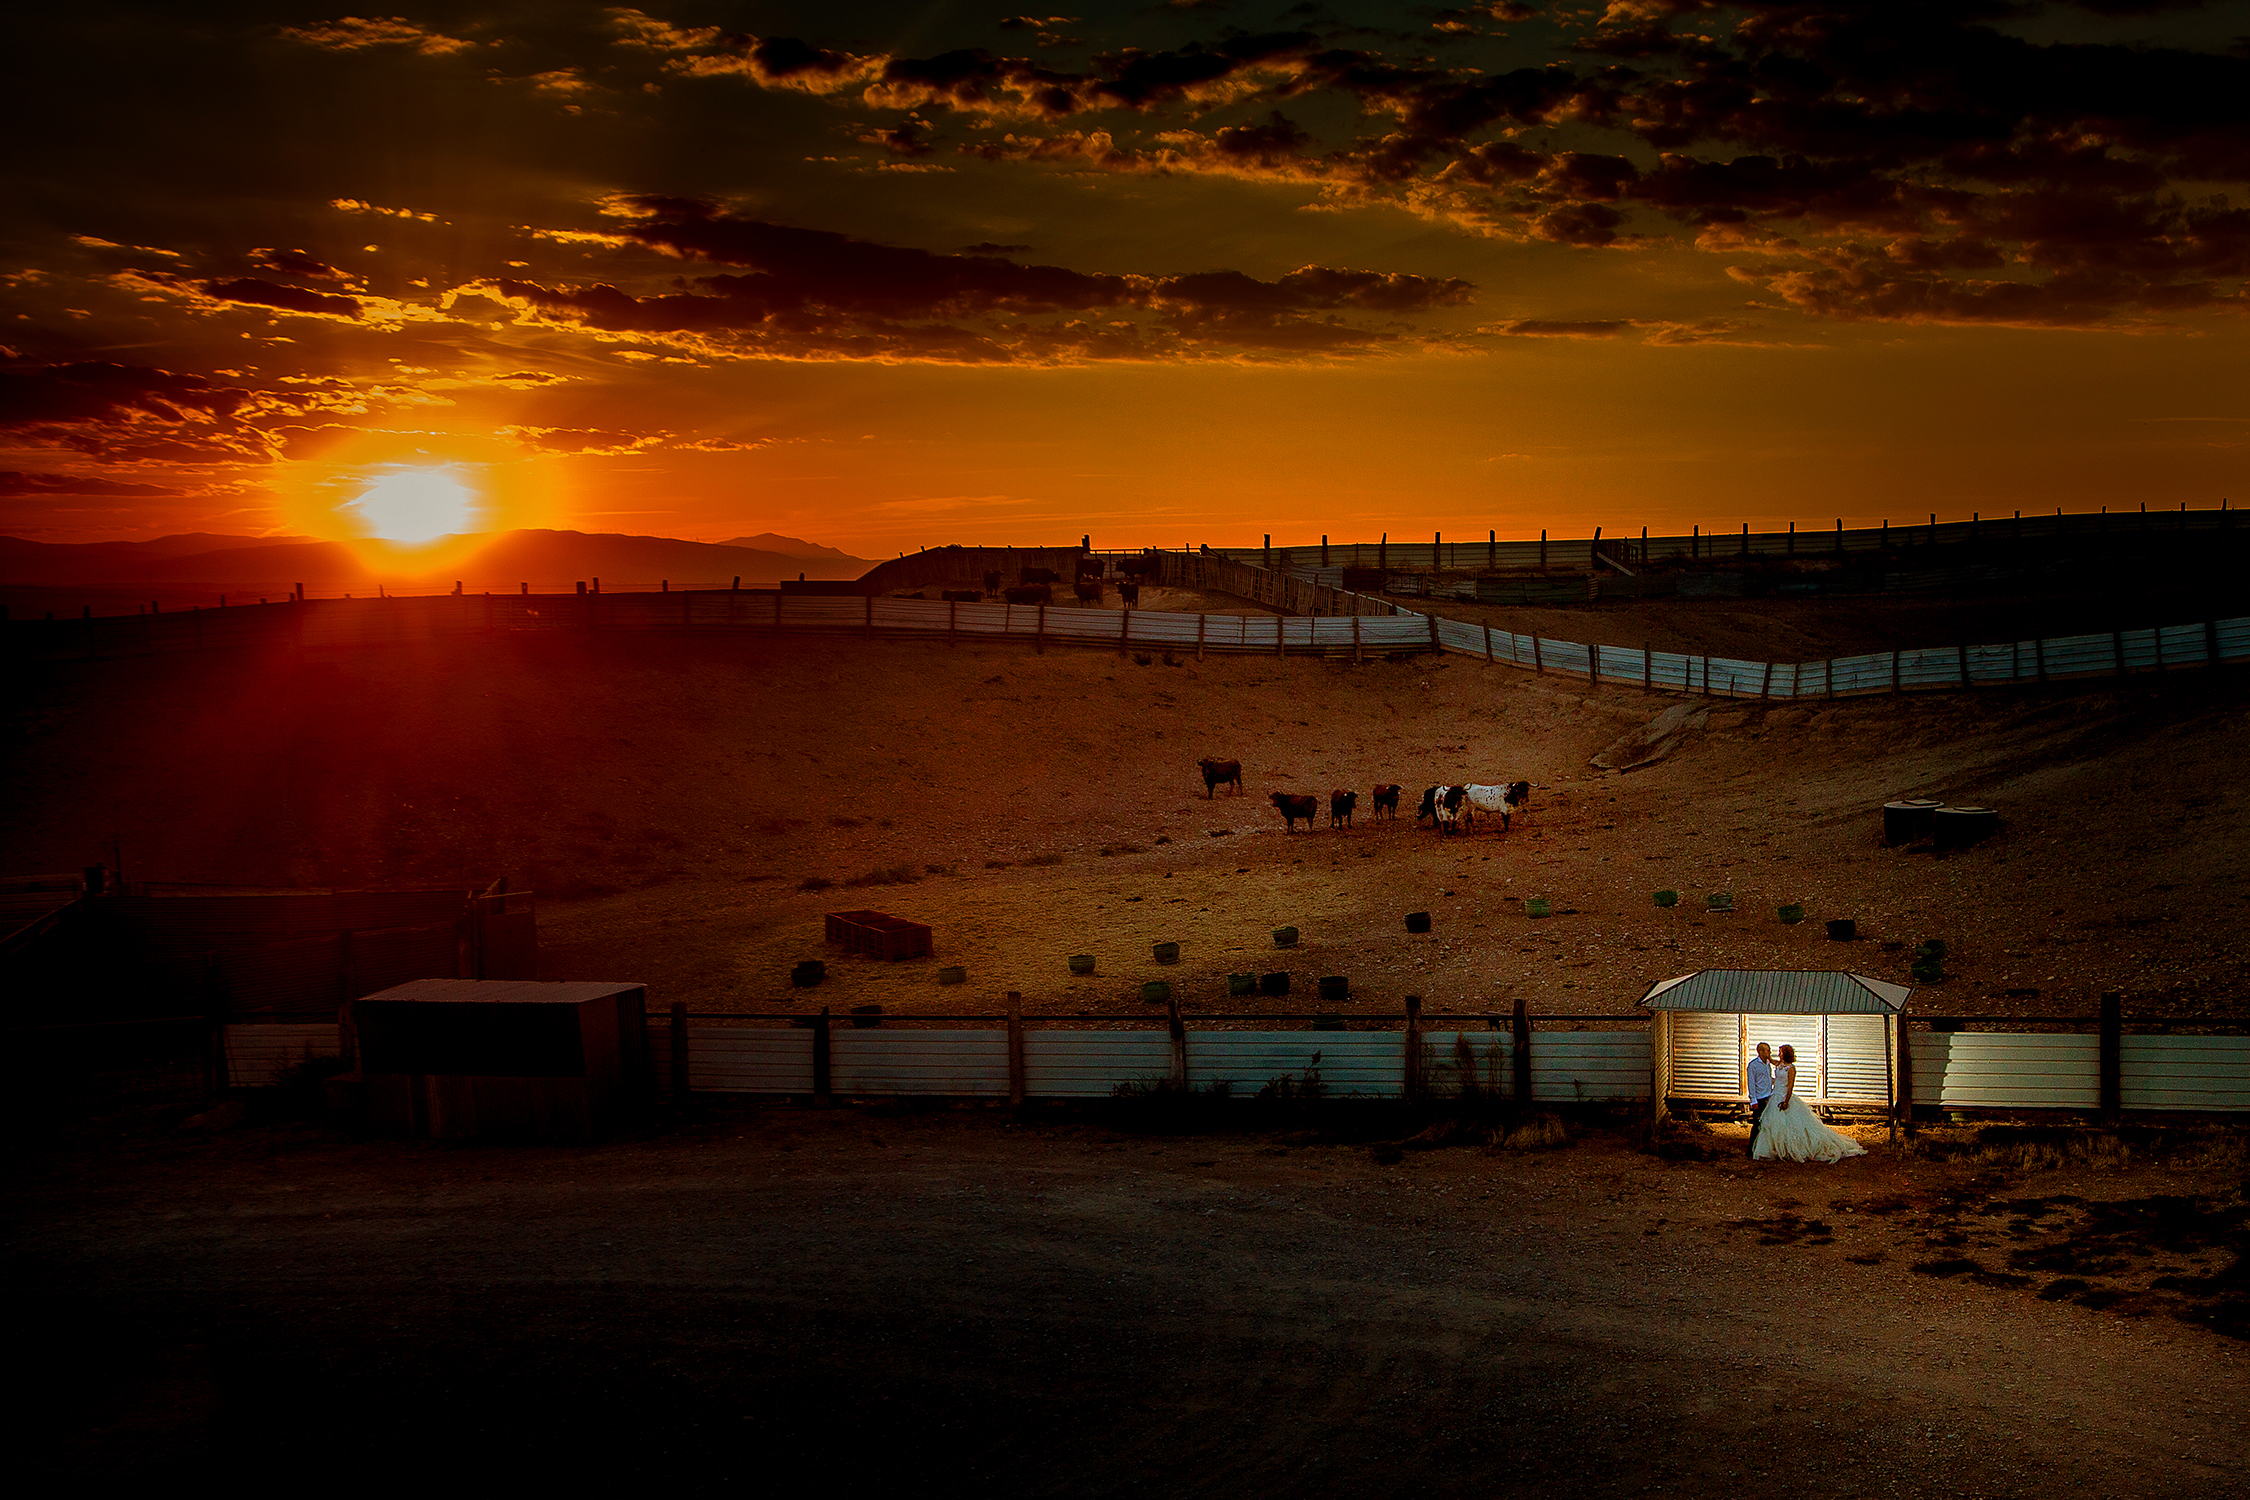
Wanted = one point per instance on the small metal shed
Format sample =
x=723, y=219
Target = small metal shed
x=463, y=1058
x=1846, y=1028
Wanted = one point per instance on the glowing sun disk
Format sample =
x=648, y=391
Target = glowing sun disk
x=416, y=505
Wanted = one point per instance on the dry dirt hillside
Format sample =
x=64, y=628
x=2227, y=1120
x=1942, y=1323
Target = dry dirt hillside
x=671, y=799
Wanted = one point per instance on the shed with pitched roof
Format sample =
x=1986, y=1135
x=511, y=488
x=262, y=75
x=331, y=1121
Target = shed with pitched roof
x=1846, y=1029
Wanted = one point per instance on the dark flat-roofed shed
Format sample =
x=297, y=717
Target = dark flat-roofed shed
x=501, y=1058
x=1846, y=1029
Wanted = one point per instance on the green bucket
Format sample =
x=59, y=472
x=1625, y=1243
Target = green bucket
x=955, y=975
x=1719, y=901
x=1167, y=953
x=1792, y=914
x=1927, y=970
x=1156, y=992
x=1082, y=963
x=1933, y=950
x=1285, y=937
x=1538, y=906
x=1242, y=984
x=1667, y=898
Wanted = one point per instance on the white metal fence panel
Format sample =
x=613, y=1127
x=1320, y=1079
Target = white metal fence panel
x=1706, y=1055
x=2184, y=1072
x=2234, y=639
x=1350, y=1062
x=738, y=1059
x=1857, y=1064
x=2006, y=1070
x=1091, y=1064
x=258, y=1053
x=1587, y=1066
x=874, y=1061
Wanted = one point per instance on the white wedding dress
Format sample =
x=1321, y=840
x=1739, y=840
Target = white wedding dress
x=1793, y=1132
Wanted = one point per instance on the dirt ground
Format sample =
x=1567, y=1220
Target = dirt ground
x=1075, y=1304
x=688, y=809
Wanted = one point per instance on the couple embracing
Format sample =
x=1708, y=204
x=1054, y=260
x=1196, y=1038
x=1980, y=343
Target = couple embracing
x=1782, y=1125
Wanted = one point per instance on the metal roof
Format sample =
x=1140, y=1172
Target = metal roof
x=1778, y=992
x=498, y=992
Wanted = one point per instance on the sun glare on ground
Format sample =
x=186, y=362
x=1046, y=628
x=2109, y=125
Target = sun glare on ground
x=416, y=505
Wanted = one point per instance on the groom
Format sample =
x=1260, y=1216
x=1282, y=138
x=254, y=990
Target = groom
x=1761, y=1093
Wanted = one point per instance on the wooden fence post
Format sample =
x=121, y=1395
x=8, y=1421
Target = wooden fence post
x=1015, y=1049
x=2211, y=642
x=1410, y=1074
x=870, y=628
x=1894, y=672
x=1538, y=662
x=1521, y=1028
x=1178, y=1030
x=1648, y=670
x=1961, y=661
x=820, y=1058
x=1659, y=1065
x=1359, y=653
x=952, y=621
x=1593, y=665
x=2117, y=651
x=1435, y=645
x=2112, y=1055
x=1765, y=681
x=679, y=1052
x=1202, y=623
x=1828, y=677
x=1039, y=632
x=777, y=612
x=1488, y=656
x=1125, y=629
x=1902, y=1075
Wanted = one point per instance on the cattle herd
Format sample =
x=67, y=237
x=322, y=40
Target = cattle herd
x=1449, y=809
x=1037, y=585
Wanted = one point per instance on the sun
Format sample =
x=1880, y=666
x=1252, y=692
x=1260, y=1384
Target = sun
x=416, y=505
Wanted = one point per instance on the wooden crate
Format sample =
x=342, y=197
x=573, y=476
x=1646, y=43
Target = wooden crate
x=879, y=935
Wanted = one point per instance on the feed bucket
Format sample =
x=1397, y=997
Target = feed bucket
x=1242, y=984
x=1842, y=929
x=1719, y=901
x=1667, y=898
x=1285, y=937
x=809, y=973
x=1909, y=819
x=954, y=975
x=1082, y=963
x=1927, y=970
x=1538, y=906
x=1276, y=983
x=1167, y=953
x=1792, y=914
x=1959, y=827
x=1417, y=921
x=1932, y=949
x=1335, y=987
x=1156, y=992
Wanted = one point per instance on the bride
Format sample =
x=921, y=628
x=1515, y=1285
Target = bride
x=1790, y=1131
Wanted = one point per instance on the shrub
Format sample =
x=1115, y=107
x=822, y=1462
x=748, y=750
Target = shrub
x=815, y=883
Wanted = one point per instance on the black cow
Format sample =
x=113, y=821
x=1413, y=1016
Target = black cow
x=1386, y=800
x=1090, y=566
x=1428, y=809
x=1139, y=567
x=1040, y=575
x=1217, y=773
x=1129, y=591
x=992, y=580
x=1292, y=808
x=1340, y=805
x=1030, y=593
x=1088, y=590
x=962, y=596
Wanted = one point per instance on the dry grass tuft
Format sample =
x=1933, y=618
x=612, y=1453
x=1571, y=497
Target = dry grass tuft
x=885, y=875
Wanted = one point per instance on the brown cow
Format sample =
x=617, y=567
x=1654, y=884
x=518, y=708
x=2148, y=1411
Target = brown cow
x=1129, y=591
x=992, y=580
x=1088, y=590
x=1340, y=805
x=1039, y=575
x=1218, y=772
x=1386, y=800
x=1292, y=808
x=1030, y=593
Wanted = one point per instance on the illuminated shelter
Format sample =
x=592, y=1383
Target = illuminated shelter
x=1706, y=1026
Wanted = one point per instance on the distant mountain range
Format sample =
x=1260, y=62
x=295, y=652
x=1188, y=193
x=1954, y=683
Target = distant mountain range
x=547, y=560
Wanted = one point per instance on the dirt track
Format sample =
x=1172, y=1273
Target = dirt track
x=935, y=1300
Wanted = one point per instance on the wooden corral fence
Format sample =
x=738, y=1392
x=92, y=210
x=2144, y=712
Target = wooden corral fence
x=2109, y=1072
x=965, y=567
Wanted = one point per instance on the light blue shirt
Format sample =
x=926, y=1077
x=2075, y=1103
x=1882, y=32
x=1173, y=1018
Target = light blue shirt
x=1761, y=1079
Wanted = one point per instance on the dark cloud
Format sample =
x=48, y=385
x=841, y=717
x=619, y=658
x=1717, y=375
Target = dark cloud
x=16, y=482
x=816, y=293
x=287, y=298
x=295, y=263
x=96, y=391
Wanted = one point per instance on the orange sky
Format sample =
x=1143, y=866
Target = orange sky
x=886, y=276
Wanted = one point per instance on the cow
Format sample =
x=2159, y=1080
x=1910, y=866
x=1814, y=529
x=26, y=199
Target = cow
x=1030, y=593
x=992, y=580
x=1428, y=809
x=961, y=596
x=1088, y=590
x=1292, y=808
x=1090, y=566
x=1386, y=801
x=1340, y=805
x=1129, y=591
x=1039, y=575
x=1442, y=805
x=1506, y=800
x=1217, y=772
x=1138, y=567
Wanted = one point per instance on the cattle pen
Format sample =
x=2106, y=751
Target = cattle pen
x=1323, y=621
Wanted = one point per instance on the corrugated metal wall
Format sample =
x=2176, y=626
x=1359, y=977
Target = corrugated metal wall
x=1998, y=1069
x=1706, y=1055
x=2184, y=1072
x=257, y=1054
x=1350, y=1062
x=1857, y=1059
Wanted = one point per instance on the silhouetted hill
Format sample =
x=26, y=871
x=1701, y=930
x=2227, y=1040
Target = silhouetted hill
x=789, y=546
